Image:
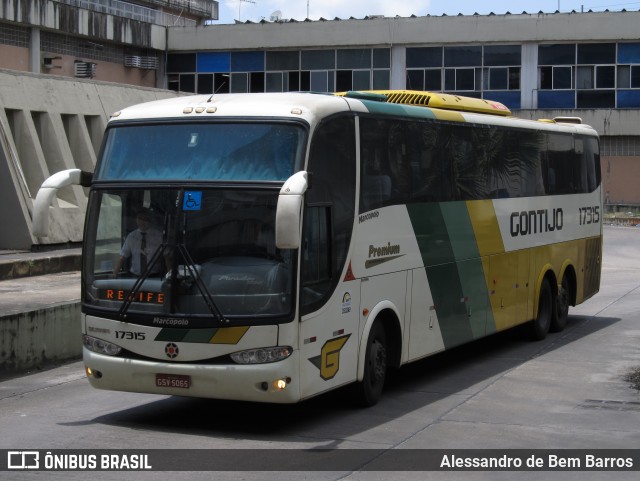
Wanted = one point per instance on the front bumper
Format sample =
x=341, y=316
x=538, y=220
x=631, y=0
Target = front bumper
x=227, y=381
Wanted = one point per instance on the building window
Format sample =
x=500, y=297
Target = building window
x=594, y=75
x=282, y=71
x=489, y=71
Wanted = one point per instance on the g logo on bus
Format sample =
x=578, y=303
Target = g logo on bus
x=329, y=359
x=171, y=350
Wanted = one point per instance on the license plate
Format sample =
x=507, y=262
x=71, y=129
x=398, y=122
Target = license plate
x=173, y=380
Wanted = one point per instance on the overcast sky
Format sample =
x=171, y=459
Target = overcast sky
x=256, y=10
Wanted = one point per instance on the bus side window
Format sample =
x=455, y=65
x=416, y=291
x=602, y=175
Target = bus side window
x=592, y=160
x=316, y=254
x=565, y=164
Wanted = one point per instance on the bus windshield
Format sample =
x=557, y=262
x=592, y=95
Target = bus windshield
x=202, y=151
x=181, y=253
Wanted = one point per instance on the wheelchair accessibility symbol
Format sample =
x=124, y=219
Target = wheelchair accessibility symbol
x=192, y=200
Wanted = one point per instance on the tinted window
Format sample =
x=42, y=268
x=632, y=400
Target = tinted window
x=560, y=54
x=462, y=56
x=354, y=58
x=283, y=60
x=202, y=151
x=425, y=161
x=424, y=57
x=596, y=53
x=330, y=207
x=318, y=59
x=381, y=58
x=181, y=62
x=495, y=55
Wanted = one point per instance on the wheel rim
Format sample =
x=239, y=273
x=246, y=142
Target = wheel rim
x=563, y=303
x=378, y=361
x=544, y=311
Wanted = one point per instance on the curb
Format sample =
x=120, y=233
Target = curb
x=38, y=266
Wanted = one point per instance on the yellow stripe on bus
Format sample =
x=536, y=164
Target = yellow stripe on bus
x=485, y=227
x=228, y=335
x=448, y=115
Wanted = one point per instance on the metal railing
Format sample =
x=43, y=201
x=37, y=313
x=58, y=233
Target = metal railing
x=208, y=9
x=134, y=12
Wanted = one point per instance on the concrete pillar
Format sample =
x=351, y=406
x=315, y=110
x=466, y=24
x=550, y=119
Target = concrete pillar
x=398, y=68
x=529, y=76
x=34, y=50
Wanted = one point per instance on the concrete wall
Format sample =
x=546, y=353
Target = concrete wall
x=620, y=179
x=36, y=338
x=106, y=71
x=469, y=29
x=604, y=121
x=48, y=14
x=15, y=58
x=48, y=124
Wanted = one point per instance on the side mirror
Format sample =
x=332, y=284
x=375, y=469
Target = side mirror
x=289, y=211
x=48, y=191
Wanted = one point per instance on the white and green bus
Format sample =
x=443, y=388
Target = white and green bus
x=309, y=241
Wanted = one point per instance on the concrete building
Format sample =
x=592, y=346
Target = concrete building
x=540, y=65
x=110, y=40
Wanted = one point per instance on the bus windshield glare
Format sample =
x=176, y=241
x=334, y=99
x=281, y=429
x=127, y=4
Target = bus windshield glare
x=202, y=151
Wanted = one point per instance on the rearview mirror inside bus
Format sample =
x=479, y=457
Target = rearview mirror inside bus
x=289, y=211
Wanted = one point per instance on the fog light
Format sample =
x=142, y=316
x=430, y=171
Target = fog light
x=92, y=373
x=281, y=384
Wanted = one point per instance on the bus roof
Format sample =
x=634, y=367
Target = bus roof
x=275, y=105
x=312, y=107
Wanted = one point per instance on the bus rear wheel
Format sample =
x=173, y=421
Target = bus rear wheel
x=546, y=305
x=561, y=311
x=369, y=390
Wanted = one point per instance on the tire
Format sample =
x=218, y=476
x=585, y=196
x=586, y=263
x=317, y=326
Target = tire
x=561, y=311
x=546, y=306
x=369, y=391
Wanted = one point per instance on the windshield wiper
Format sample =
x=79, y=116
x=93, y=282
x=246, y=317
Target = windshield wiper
x=190, y=267
x=122, y=313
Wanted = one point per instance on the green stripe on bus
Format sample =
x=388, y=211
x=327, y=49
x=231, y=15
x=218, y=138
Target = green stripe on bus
x=172, y=335
x=442, y=272
x=200, y=335
x=399, y=110
x=470, y=269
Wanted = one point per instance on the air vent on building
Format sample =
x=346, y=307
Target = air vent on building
x=147, y=63
x=85, y=69
x=47, y=61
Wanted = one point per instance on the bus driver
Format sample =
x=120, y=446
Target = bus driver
x=140, y=245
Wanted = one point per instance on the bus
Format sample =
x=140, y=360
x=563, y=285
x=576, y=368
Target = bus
x=300, y=242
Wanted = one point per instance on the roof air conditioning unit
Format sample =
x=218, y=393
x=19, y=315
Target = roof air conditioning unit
x=131, y=61
x=147, y=63
x=85, y=69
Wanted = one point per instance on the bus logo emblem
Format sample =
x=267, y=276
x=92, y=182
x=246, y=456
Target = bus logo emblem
x=329, y=359
x=171, y=350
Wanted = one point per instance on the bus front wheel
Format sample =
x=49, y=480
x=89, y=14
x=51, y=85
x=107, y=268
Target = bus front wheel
x=546, y=305
x=375, y=366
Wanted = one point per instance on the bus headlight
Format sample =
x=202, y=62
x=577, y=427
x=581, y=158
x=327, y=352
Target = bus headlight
x=100, y=346
x=261, y=355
